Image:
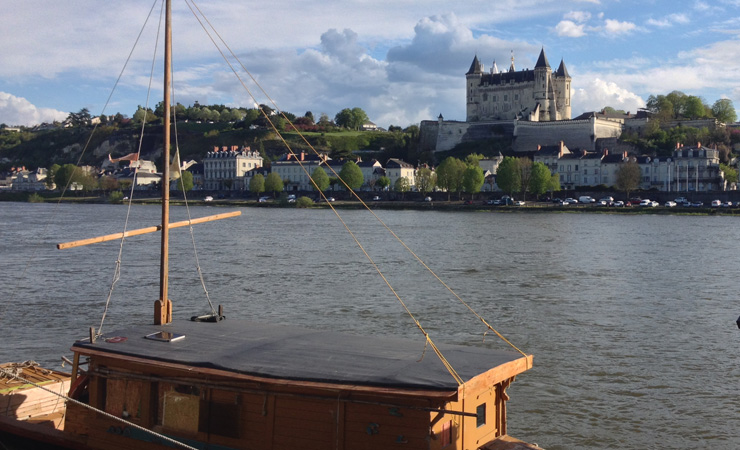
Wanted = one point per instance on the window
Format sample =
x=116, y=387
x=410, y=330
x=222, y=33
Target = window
x=480, y=413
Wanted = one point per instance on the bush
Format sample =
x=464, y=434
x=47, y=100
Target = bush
x=303, y=202
x=35, y=198
x=115, y=197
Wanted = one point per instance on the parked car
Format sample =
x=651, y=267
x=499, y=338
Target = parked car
x=329, y=199
x=619, y=204
x=726, y=205
x=586, y=199
x=519, y=203
x=207, y=199
x=291, y=197
x=646, y=202
x=670, y=204
x=681, y=200
x=716, y=203
x=608, y=199
x=697, y=204
x=570, y=201
x=376, y=198
x=263, y=199
x=427, y=199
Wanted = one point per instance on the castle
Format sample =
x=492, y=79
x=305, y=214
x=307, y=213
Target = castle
x=532, y=95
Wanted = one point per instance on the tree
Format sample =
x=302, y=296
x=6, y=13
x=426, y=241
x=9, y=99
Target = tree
x=724, y=111
x=108, y=183
x=525, y=169
x=320, y=179
x=425, y=180
x=473, y=179
x=540, y=179
x=185, y=182
x=694, y=107
x=508, y=175
x=142, y=114
x=554, y=184
x=449, y=175
x=80, y=118
x=402, y=185
x=351, y=174
x=383, y=182
x=730, y=173
x=273, y=183
x=50, y=182
x=351, y=118
x=257, y=184
x=628, y=177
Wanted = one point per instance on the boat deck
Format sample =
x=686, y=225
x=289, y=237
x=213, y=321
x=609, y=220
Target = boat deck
x=293, y=353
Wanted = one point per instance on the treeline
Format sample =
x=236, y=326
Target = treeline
x=659, y=139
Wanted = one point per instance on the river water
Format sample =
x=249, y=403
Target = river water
x=631, y=318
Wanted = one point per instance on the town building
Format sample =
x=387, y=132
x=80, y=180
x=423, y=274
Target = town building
x=224, y=168
x=396, y=168
x=295, y=169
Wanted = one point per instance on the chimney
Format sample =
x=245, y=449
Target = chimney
x=215, y=149
x=539, y=147
x=234, y=148
x=303, y=155
x=224, y=148
x=698, y=145
x=605, y=152
x=562, y=149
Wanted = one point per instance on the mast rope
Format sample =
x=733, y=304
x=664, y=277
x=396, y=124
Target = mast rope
x=96, y=410
x=117, y=269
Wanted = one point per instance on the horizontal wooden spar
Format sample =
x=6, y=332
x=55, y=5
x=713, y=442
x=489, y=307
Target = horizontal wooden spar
x=112, y=237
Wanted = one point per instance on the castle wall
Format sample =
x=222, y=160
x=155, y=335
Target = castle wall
x=576, y=134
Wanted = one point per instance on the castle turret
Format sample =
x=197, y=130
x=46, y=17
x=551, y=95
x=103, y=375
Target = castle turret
x=542, y=87
x=562, y=87
x=473, y=80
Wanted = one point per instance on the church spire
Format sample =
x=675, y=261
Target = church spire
x=511, y=68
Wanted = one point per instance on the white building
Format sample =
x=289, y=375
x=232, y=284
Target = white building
x=224, y=168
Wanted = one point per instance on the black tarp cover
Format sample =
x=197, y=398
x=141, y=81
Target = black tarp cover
x=294, y=353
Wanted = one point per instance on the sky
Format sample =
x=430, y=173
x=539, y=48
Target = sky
x=401, y=61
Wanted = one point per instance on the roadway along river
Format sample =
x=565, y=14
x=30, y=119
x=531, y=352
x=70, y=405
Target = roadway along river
x=631, y=318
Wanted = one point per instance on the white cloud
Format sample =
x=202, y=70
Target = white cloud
x=568, y=28
x=669, y=21
x=597, y=93
x=19, y=111
x=612, y=26
x=577, y=16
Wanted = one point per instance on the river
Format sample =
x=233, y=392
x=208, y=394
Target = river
x=631, y=318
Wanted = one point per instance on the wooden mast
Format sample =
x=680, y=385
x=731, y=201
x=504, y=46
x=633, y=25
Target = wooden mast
x=163, y=306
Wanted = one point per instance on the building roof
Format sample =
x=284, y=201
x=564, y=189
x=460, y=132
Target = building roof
x=398, y=163
x=562, y=71
x=542, y=60
x=475, y=67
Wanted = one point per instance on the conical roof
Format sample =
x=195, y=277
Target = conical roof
x=562, y=71
x=475, y=67
x=542, y=60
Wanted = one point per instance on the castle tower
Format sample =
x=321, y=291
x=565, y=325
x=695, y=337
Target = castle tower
x=562, y=87
x=473, y=80
x=542, y=79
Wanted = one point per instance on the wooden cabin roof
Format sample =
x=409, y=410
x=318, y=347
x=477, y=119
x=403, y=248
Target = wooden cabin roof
x=293, y=353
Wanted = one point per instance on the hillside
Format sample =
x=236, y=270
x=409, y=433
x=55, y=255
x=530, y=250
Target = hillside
x=70, y=145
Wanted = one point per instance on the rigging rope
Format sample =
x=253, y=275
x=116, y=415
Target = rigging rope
x=98, y=411
x=303, y=168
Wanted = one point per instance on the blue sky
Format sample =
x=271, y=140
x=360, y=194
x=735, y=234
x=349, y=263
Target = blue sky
x=402, y=61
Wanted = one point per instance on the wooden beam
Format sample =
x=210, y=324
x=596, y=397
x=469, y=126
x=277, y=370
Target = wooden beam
x=112, y=237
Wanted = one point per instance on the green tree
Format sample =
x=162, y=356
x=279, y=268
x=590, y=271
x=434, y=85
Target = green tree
x=525, y=170
x=80, y=118
x=68, y=174
x=628, y=177
x=320, y=179
x=425, y=180
x=473, y=179
x=351, y=174
x=694, y=107
x=50, y=183
x=185, y=182
x=540, y=179
x=257, y=184
x=724, y=111
x=730, y=173
x=508, y=175
x=108, y=183
x=273, y=183
x=554, y=184
x=449, y=175
x=383, y=182
x=402, y=185
x=303, y=202
x=351, y=118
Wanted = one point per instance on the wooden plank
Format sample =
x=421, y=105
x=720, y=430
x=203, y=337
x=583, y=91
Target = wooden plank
x=114, y=236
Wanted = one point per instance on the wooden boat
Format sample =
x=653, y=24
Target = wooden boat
x=219, y=384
